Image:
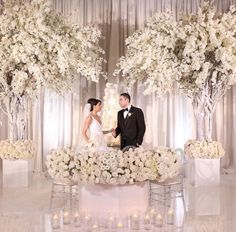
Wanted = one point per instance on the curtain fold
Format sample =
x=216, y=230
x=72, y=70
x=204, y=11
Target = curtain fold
x=57, y=120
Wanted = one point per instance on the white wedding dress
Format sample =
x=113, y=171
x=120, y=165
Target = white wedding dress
x=96, y=136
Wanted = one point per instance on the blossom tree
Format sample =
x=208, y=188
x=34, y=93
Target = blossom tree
x=199, y=54
x=150, y=55
x=38, y=48
x=207, y=60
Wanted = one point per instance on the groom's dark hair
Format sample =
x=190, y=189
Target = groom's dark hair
x=126, y=95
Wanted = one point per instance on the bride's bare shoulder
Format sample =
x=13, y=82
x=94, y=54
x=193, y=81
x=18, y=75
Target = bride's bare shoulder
x=88, y=119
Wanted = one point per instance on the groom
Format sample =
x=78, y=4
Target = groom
x=131, y=124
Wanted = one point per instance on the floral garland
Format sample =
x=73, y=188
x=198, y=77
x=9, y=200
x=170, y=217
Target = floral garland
x=203, y=149
x=17, y=150
x=113, y=167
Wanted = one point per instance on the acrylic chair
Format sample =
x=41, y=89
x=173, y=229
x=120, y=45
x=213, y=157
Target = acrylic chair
x=165, y=192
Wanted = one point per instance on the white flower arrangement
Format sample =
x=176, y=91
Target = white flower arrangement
x=39, y=48
x=168, y=163
x=203, y=149
x=150, y=55
x=197, y=52
x=115, y=167
x=207, y=57
x=17, y=150
x=62, y=165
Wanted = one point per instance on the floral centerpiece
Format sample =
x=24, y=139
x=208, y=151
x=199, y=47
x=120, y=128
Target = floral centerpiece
x=203, y=149
x=114, y=167
x=168, y=163
x=38, y=48
x=17, y=150
x=62, y=165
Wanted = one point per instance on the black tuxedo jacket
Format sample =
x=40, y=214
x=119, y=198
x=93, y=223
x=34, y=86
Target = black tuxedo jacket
x=131, y=128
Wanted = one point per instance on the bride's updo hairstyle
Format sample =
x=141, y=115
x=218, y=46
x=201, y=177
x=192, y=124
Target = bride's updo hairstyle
x=93, y=102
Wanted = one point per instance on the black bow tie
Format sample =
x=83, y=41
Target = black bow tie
x=126, y=109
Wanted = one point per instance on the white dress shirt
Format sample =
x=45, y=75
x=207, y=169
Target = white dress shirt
x=126, y=112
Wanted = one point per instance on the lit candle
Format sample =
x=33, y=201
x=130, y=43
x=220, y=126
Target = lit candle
x=87, y=221
x=120, y=226
x=66, y=218
x=111, y=222
x=159, y=220
x=55, y=222
x=147, y=222
x=153, y=216
x=170, y=217
x=134, y=222
x=94, y=227
x=77, y=219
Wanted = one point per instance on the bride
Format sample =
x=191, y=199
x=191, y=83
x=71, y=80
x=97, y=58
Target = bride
x=93, y=133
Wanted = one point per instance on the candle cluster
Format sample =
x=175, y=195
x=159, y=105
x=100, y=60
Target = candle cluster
x=134, y=222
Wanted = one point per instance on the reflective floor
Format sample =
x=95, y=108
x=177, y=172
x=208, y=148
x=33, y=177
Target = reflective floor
x=209, y=209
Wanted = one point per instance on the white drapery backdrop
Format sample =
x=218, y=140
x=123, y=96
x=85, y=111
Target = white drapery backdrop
x=56, y=121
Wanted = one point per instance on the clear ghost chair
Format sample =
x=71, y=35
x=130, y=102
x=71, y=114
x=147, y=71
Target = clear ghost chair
x=68, y=193
x=165, y=192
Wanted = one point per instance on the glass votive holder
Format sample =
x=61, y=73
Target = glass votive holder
x=55, y=221
x=66, y=217
x=159, y=220
x=170, y=217
x=135, y=222
x=147, y=222
x=95, y=227
x=153, y=215
x=87, y=222
x=77, y=219
x=120, y=227
x=111, y=223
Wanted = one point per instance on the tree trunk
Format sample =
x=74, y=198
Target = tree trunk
x=17, y=115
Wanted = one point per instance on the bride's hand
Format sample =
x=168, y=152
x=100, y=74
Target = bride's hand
x=113, y=131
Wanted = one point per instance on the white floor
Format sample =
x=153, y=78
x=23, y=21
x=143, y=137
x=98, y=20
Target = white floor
x=209, y=209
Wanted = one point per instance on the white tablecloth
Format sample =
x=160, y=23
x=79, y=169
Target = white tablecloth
x=104, y=199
